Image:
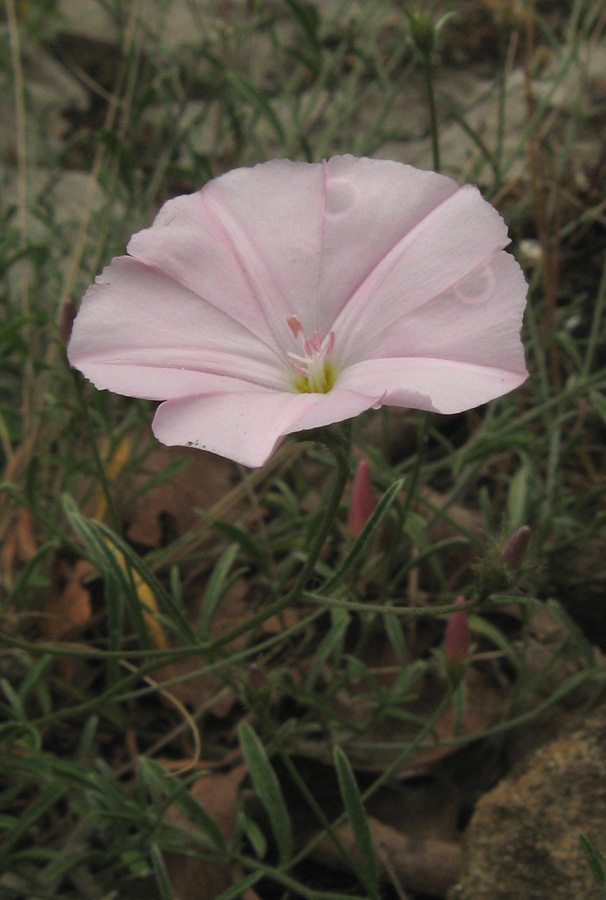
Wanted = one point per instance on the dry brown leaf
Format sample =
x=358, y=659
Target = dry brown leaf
x=287, y=619
x=458, y=522
x=485, y=704
x=419, y=863
x=193, y=879
x=68, y=606
x=199, y=690
x=201, y=484
x=20, y=544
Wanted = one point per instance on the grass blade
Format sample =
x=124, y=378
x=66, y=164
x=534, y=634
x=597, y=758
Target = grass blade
x=268, y=789
x=358, y=820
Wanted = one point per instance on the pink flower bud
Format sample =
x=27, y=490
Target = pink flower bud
x=515, y=549
x=362, y=500
x=257, y=679
x=457, y=637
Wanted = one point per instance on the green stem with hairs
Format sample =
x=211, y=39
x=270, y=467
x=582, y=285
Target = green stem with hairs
x=433, y=114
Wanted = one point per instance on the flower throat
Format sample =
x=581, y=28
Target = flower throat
x=314, y=372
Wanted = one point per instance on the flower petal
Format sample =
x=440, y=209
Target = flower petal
x=443, y=248
x=249, y=242
x=370, y=206
x=140, y=333
x=287, y=237
x=477, y=320
x=248, y=427
x=438, y=385
x=404, y=271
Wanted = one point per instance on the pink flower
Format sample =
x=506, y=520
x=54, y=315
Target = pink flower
x=457, y=637
x=362, y=503
x=514, y=551
x=292, y=295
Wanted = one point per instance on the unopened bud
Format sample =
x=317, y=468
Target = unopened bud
x=422, y=30
x=362, y=500
x=256, y=689
x=456, y=642
x=257, y=680
x=514, y=551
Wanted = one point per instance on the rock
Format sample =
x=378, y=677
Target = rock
x=523, y=839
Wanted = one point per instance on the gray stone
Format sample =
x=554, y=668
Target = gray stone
x=523, y=840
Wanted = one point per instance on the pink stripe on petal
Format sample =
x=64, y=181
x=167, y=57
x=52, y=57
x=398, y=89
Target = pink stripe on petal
x=451, y=241
x=135, y=315
x=370, y=206
x=485, y=333
x=249, y=242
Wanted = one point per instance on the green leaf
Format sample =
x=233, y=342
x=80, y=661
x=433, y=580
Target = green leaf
x=101, y=543
x=267, y=787
x=215, y=589
x=235, y=891
x=258, y=100
x=249, y=544
x=177, y=793
x=331, y=642
x=358, y=820
x=480, y=626
x=517, y=498
x=160, y=873
x=581, y=644
x=595, y=860
x=254, y=835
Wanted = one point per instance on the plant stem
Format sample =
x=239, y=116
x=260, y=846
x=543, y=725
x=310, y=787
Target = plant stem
x=340, y=445
x=433, y=115
x=341, y=452
x=86, y=418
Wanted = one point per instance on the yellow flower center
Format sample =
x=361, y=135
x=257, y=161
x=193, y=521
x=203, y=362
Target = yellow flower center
x=315, y=374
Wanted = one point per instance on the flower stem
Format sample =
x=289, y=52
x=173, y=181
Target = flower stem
x=339, y=442
x=433, y=115
x=101, y=473
x=340, y=445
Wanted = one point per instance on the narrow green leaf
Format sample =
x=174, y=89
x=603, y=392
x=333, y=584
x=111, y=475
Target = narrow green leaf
x=517, y=498
x=214, y=591
x=100, y=541
x=581, y=643
x=331, y=642
x=393, y=629
x=249, y=544
x=358, y=820
x=595, y=860
x=160, y=873
x=254, y=835
x=267, y=786
x=87, y=737
x=160, y=783
x=258, y=100
x=236, y=890
x=31, y=815
x=480, y=626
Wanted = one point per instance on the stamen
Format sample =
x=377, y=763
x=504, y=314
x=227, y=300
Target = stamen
x=295, y=325
x=315, y=372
